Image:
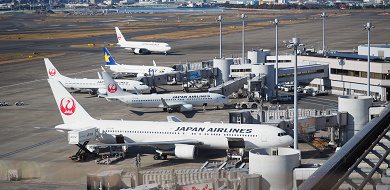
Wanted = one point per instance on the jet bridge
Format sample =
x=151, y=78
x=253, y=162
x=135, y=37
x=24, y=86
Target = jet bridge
x=360, y=163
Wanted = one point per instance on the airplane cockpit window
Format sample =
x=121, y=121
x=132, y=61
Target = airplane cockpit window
x=282, y=134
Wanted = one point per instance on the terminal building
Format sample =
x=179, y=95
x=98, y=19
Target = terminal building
x=339, y=73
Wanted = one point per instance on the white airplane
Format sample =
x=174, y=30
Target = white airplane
x=177, y=138
x=140, y=70
x=140, y=47
x=169, y=102
x=95, y=85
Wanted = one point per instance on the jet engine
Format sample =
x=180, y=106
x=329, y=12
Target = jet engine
x=186, y=107
x=140, y=51
x=185, y=151
x=101, y=91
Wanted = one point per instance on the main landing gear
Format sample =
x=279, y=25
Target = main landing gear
x=160, y=155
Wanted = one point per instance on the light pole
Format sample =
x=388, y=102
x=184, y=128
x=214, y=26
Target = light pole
x=368, y=27
x=295, y=43
x=323, y=15
x=276, y=22
x=220, y=35
x=243, y=38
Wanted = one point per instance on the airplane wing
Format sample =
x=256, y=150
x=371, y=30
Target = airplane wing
x=156, y=143
x=51, y=128
x=166, y=105
x=173, y=119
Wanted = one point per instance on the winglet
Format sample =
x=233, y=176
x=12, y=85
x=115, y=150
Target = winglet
x=136, y=90
x=100, y=76
x=173, y=119
x=164, y=103
x=108, y=58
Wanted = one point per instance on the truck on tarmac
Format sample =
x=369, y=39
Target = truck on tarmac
x=246, y=105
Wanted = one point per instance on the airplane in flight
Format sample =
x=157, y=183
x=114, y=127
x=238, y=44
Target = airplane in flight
x=140, y=70
x=96, y=86
x=140, y=47
x=181, y=139
x=181, y=101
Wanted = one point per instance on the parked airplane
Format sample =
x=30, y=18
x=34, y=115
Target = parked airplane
x=95, y=85
x=140, y=47
x=169, y=102
x=178, y=138
x=140, y=70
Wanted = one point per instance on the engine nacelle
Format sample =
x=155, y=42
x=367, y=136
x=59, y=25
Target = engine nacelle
x=140, y=51
x=140, y=74
x=102, y=91
x=186, y=107
x=185, y=151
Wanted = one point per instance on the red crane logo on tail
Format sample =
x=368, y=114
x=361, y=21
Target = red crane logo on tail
x=52, y=72
x=119, y=37
x=112, y=88
x=67, y=106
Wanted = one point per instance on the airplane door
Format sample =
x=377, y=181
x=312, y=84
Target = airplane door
x=236, y=143
x=264, y=137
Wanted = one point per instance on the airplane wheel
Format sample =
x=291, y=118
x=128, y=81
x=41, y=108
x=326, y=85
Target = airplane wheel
x=163, y=157
x=165, y=109
x=156, y=157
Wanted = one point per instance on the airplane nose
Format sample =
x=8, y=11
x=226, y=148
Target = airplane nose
x=289, y=140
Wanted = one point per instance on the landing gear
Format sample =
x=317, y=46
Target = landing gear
x=160, y=157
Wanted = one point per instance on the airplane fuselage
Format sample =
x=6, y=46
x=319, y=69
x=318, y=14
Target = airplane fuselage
x=212, y=135
x=150, y=46
x=154, y=100
x=99, y=84
x=140, y=69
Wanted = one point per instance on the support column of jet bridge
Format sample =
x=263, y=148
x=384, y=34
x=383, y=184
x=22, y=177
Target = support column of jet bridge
x=275, y=165
x=223, y=69
x=258, y=56
x=358, y=114
x=266, y=75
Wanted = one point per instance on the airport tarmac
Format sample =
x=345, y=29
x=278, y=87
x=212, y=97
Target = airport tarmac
x=42, y=155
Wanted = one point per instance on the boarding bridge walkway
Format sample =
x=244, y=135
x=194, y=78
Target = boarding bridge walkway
x=362, y=163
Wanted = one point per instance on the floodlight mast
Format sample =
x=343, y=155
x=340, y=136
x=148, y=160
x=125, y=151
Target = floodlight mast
x=368, y=27
x=295, y=42
x=276, y=22
x=323, y=15
x=243, y=38
x=220, y=35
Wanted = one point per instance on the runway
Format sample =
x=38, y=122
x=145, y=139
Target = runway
x=43, y=154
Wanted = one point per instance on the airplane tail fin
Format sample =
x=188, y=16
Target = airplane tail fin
x=154, y=63
x=71, y=111
x=52, y=71
x=108, y=58
x=119, y=35
x=113, y=89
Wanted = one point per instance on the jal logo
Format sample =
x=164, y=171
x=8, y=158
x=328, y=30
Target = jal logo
x=119, y=37
x=67, y=106
x=112, y=88
x=52, y=72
